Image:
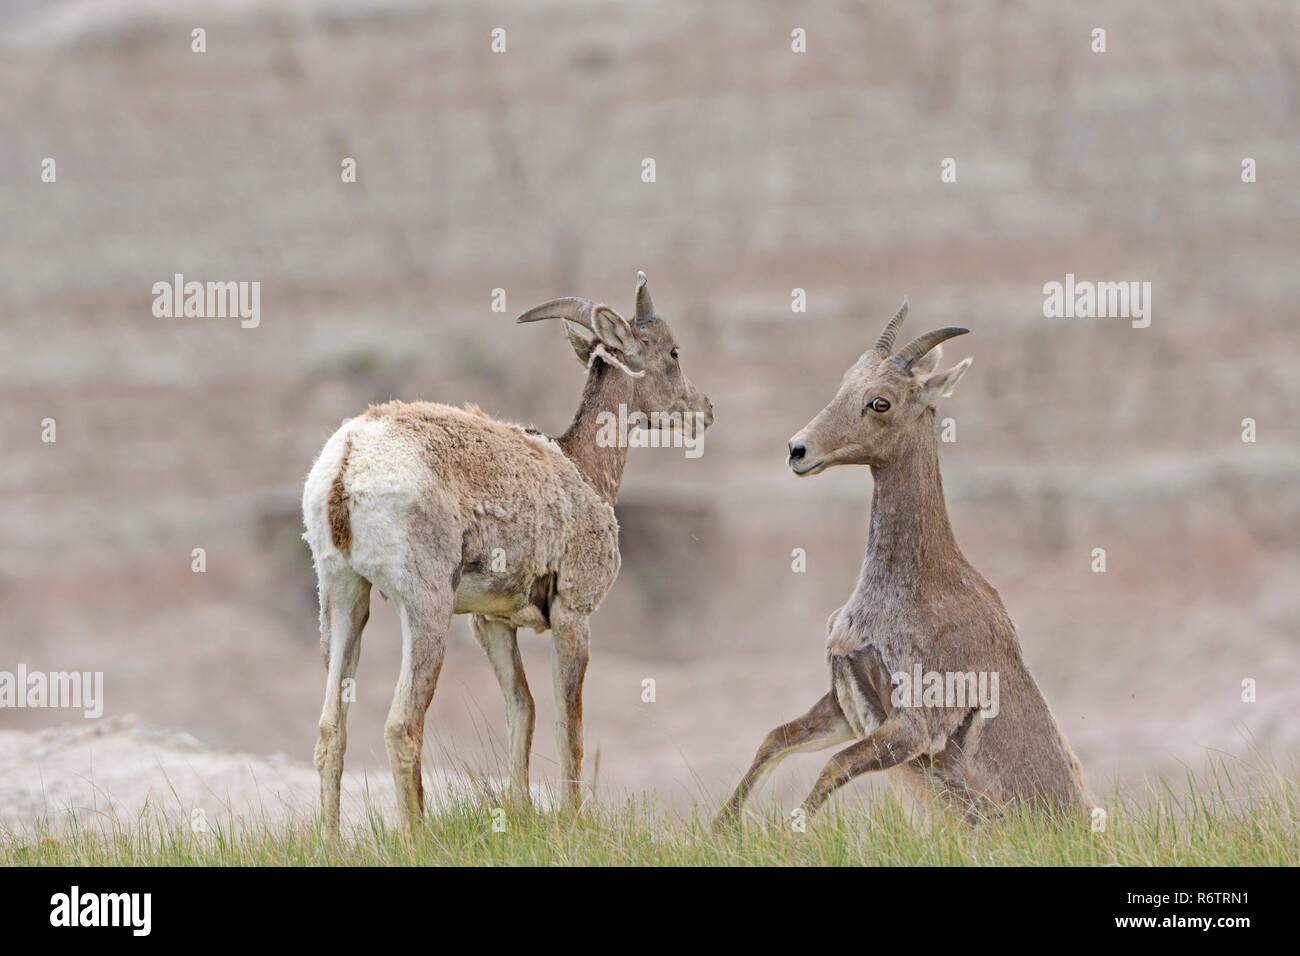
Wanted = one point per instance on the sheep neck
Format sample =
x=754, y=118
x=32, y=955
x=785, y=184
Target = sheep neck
x=910, y=536
x=600, y=460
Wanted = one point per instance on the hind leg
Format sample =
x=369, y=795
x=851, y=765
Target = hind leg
x=426, y=619
x=345, y=608
x=500, y=643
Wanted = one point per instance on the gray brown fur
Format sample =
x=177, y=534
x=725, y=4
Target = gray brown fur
x=917, y=601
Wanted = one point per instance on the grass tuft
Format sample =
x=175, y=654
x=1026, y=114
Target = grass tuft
x=1214, y=819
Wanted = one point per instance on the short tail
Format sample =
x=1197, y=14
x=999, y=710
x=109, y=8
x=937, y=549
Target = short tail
x=340, y=513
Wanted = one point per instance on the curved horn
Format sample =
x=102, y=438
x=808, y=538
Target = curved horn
x=573, y=309
x=918, y=347
x=645, y=309
x=885, y=344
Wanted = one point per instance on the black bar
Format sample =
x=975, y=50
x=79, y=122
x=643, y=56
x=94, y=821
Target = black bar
x=215, y=906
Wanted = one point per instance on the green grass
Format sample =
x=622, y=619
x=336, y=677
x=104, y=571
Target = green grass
x=1213, y=819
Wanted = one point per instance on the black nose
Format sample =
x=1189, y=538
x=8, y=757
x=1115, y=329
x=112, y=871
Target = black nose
x=797, y=451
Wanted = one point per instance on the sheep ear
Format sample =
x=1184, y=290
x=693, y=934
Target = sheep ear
x=580, y=340
x=613, y=329
x=941, y=384
x=617, y=338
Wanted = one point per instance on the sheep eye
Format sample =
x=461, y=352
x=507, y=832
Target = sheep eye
x=673, y=353
x=880, y=404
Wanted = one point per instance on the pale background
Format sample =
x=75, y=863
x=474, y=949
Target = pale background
x=775, y=171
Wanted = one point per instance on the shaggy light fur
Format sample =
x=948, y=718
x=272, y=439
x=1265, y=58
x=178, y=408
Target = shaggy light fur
x=447, y=511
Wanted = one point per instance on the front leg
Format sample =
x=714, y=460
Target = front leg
x=896, y=741
x=823, y=726
x=568, y=668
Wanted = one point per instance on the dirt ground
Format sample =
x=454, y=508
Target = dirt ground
x=522, y=171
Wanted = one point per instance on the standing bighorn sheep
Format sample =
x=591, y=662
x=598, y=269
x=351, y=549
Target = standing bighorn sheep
x=918, y=609
x=447, y=512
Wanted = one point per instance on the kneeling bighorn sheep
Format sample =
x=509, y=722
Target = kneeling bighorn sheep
x=446, y=512
x=919, y=611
